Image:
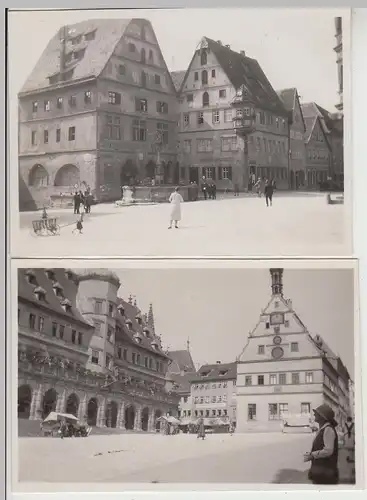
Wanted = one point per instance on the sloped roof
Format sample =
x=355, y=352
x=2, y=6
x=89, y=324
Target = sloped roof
x=310, y=123
x=108, y=32
x=243, y=70
x=181, y=362
x=288, y=96
x=51, y=302
x=183, y=381
x=130, y=313
x=217, y=371
x=178, y=78
x=311, y=109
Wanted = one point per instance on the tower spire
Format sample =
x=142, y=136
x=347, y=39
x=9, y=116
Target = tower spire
x=276, y=281
x=188, y=344
x=151, y=318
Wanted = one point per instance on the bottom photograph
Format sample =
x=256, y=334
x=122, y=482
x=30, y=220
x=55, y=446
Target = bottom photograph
x=240, y=375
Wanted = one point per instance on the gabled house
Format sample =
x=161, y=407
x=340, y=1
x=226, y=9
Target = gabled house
x=318, y=152
x=208, y=145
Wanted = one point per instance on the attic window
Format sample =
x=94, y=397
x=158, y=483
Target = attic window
x=79, y=54
x=40, y=293
x=146, y=332
x=155, y=345
x=129, y=323
x=276, y=304
x=139, y=319
x=66, y=304
x=90, y=36
x=31, y=276
x=137, y=338
x=131, y=47
x=76, y=40
x=204, y=374
x=121, y=310
x=223, y=372
x=203, y=57
x=50, y=273
x=57, y=289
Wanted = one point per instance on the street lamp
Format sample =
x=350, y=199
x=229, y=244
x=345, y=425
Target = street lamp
x=244, y=124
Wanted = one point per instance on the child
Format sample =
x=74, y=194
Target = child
x=79, y=225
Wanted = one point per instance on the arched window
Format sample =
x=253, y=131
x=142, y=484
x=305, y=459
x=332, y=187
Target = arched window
x=205, y=99
x=142, y=55
x=38, y=176
x=203, y=57
x=204, y=77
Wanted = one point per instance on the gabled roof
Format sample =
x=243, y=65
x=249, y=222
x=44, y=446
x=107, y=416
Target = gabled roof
x=178, y=78
x=217, y=371
x=243, y=70
x=51, y=301
x=288, y=96
x=311, y=109
x=98, y=51
x=310, y=123
x=183, y=381
x=181, y=362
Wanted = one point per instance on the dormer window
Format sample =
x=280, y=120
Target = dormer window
x=66, y=305
x=137, y=338
x=129, y=324
x=155, y=345
x=58, y=289
x=223, y=372
x=139, y=319
x=205, y=374
x=50, y=273
x=40, y=293
x=90, y=36
x=31, y=277
x=69, y=274
x=121, y=310
x=146, y=332
x=76, y=40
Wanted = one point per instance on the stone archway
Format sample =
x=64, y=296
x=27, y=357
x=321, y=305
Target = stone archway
x=111, y=414
x=49, y=402
x=68, y=175
x=38, y=176
x=24, y=401
x=92, y=411
x=72, y=404
x=129, y=417
x=128, y=173
x=145, y=419
x=157, y=414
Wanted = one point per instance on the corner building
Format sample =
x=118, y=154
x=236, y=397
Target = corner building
x=91, y=111
x=84, y=350
x=284, y=372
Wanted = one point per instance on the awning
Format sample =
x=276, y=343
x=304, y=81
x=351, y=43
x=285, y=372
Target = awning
x=56, y=417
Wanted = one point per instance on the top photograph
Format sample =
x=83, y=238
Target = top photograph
x=180, y=133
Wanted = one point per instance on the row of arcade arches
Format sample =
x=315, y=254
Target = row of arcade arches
x=49, y=402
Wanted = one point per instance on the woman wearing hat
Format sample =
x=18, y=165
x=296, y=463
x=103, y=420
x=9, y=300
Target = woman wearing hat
x=324, y=452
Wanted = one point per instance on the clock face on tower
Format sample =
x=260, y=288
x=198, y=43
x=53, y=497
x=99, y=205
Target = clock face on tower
x=277, y=319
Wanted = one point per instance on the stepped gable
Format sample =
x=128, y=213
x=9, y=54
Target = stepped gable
x=62, y=279
x=243, y=70
x=217, y=371
x=131, y=313
x=98, y=51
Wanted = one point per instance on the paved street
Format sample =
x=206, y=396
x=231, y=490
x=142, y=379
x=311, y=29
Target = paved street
x=133, y=458
x=296, y=225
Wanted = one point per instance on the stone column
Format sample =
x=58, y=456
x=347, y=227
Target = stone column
x=121, y=416
x=82, y=410
x=137, y=423
x=151, y=421
x=60, y=403
x=101, y=416
x=36, y=404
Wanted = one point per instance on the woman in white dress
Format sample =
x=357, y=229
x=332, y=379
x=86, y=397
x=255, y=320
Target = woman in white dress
x=175, y=199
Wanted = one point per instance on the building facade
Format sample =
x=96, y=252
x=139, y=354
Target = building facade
x=208, y=144
x=284, y=372
x=84, y=350
x=339, y=59
x=297, y=130
x=318, y=153
x=96, y=110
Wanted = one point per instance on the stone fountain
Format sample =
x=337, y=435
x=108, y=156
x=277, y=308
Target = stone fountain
x=127, y=197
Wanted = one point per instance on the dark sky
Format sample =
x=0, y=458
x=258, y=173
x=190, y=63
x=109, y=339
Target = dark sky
x=216, y=308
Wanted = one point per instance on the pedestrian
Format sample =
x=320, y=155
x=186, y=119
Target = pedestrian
x=204, y=188
x=257, y=187
x=268, y=191
x=79, y=225
x=87, y=202
x=349, y=437
x=175, y=200
x=324, y=451
x=236, y=189
x=76, y=200
x=214, y=191
x=201, y=429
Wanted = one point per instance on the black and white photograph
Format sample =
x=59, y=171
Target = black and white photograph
x=187, y=132
x=237, y=375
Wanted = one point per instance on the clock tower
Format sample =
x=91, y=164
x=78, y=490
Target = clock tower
x=276, y=281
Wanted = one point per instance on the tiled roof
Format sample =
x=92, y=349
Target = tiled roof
x=108, y=32
x=178, y=78
x=310, y=124
x=288, y=97
x=183, y=381
x=311, y=109
x=218, y=371
x=51, y=301
x=243, y=70
x=181, y=362
x=131, y=313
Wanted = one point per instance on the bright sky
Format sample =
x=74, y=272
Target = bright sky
x=216, y=308
x=293, y=46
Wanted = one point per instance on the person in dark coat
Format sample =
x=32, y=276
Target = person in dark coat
x=201, y=430
x=236, y=189
x=268, y=191
x=325, y=449
x=204, y=188
x=76, y=200
x=214, y=191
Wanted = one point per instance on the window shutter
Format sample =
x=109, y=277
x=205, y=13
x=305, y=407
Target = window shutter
x=230, y=173
x=220, y=176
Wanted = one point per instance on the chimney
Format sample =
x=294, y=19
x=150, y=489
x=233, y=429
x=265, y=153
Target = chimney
x=243, y=53
x=276, y=281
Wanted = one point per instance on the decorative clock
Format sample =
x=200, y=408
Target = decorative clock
x=277, y=352
x=277, y=340
x=277, y=318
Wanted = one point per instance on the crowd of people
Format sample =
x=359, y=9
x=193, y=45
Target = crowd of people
x=82, y=201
